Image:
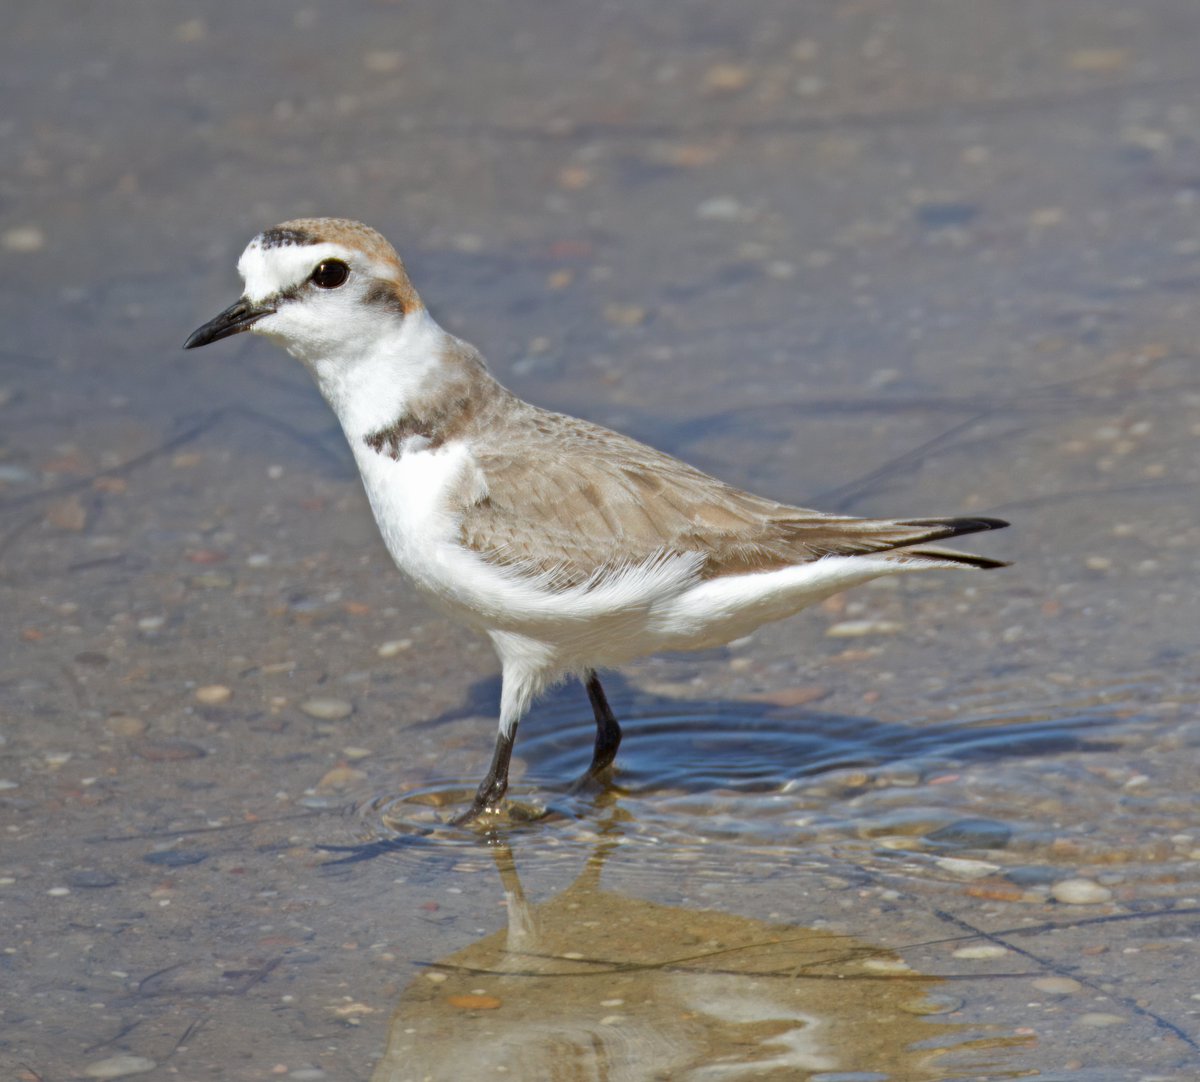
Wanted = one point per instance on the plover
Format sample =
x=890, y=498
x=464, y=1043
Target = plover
x=572, y=547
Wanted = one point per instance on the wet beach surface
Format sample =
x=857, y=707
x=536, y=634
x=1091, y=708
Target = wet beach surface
x=884, y=259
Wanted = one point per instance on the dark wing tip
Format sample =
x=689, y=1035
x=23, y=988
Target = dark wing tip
x=966, y=559
x=957, y=527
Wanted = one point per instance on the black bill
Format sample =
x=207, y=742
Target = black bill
x=238, y=317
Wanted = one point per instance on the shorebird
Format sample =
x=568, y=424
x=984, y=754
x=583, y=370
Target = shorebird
x=572, y=547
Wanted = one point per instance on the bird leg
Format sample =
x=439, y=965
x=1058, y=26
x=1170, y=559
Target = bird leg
x=495, y=784
x=608, y=730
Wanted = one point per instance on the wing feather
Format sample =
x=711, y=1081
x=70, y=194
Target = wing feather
x=576, y=501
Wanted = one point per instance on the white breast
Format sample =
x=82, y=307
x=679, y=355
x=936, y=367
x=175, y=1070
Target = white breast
x=409, y=496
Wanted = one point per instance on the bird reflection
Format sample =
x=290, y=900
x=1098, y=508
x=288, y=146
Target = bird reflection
x=593, y=985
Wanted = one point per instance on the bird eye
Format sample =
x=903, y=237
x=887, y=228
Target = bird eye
x=329, y=274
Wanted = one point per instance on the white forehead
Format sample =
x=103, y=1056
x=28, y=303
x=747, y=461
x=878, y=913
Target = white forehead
x=270, y=269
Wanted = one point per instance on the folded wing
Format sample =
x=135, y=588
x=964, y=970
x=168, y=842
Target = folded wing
x=581, y=501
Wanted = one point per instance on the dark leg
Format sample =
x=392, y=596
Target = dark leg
x=493, y=787
x=608, y=731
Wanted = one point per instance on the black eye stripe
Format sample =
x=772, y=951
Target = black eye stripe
x=329, y=274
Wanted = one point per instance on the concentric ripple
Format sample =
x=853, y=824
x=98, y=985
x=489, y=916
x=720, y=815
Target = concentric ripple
x=689, y=784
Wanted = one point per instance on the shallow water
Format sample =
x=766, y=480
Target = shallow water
x=939, y=828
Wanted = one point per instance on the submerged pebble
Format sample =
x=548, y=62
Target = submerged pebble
x=1099, y=1019
x=966, y=869
x=971, y=834
x=1057, y=986
x=937, y=1003
x=327, y=709
x=119, y=1067
x=983, y=952
x=88, y=880
x=393, y=647
x=1080, y=892
x=166, y=750
x=176, y=858
x=1031, y=875
x=474, y=1001
x=854, y=629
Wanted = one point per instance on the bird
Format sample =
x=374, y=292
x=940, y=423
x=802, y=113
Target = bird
x=574, y=548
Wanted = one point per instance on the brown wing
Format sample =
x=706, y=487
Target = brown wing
x=578, y=499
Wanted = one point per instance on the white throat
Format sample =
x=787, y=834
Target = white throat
x=369, y=382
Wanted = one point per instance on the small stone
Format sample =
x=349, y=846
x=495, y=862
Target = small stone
x=339, y=778
x=206, y=556
x=167, y=751
x=887, y=965
x=68, y=514
x=125, y=725
x=1098, y=61
x=24, y=238
x=983, y=952
x=1098, y=1019
x=726, y=78
x=212, y=580
x=352, y=1010
x=721, y=208
x=383, y=61
x=1057, y=986
x=393, y=647
x=192, y=31
x=788, y=697
x=574, y=177
x=327, y=709
x=474, y=1002
x=119, y=1067
x=1031, y=875
x=87, y=880
x=625, y=315
x=1080, y=892
x=176, y=858
x=151, y=625
x=213, y=694
x=1046, y=216
x=936, y=1003
x=966, y=869
x=14, y=475
x=854, y=629
x=944, y=214
x=971, y=834
x=998, y=892
x=353, y=752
